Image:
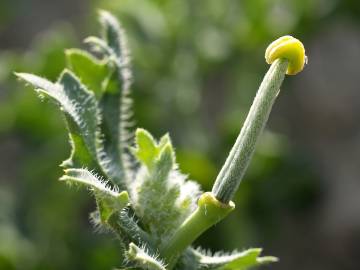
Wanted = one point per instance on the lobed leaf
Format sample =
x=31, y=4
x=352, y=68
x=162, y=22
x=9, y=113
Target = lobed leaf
x=80, y=109
x=101, y=77
x=94, y=99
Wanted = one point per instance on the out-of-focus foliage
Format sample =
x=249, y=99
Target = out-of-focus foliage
x=198, y=61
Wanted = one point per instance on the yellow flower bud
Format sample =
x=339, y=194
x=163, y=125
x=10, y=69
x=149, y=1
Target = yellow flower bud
x=289, y=48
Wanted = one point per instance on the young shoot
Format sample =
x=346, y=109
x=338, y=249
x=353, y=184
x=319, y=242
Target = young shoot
x=141, y=196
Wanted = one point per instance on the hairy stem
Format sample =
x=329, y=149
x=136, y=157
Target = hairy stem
x=209, y=212
x=228, y=180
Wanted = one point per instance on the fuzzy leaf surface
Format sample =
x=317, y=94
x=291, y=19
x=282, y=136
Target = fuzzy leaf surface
x=109, y=200
x=111, y=32
x=141, y=257
x=125, y=226
x=92, y=72
x=80, y=110
x=235, y=261
x=115, y=103
x=161, y=196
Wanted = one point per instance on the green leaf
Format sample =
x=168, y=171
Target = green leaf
x=147, y=149
x=157, y=157
x=80, y=109
x=92, y=72
x=125, y=226
x=96, y=104
x=109, y=200
x=164, y=140
x=165, y=163
x=141, y=258
x=235, y=261
x=99, y=45
x=115, y=104
x=114, y=129
x=112, y=32
x=162, y=197
x=80, y=104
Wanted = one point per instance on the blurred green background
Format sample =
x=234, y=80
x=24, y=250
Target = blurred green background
x=197, y=66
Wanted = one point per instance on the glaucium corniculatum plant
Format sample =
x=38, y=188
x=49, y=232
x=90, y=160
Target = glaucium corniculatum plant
x=154, y=210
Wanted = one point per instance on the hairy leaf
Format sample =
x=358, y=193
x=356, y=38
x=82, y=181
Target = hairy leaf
x=235, y=261
x=95, y=102
x=161, y=196
x=111, y=32
x=115, y=104
x=125, y=226
x=141, y=257
x=109, y=200
x=92, y=72
x=147, y=150
x=80, y=109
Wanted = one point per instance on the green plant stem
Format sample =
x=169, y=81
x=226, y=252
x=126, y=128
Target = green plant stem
x=228, y=180
x=209, y=212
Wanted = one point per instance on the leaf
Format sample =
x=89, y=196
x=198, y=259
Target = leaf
x=235, y=261
x=147, y=150
x=98, y=45
x=80, y=109
x=140, y=257
x=115, y=104
x=158, y=157
x=109, y=200
x=162, y=197
x=102, y=78
x=81, y=105
x=92, y=72
x=111, y=32
x=125, y=226
x=165, y=163
x=114, y=129
x=98, y=119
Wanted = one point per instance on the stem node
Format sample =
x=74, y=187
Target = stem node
x=209, y=212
